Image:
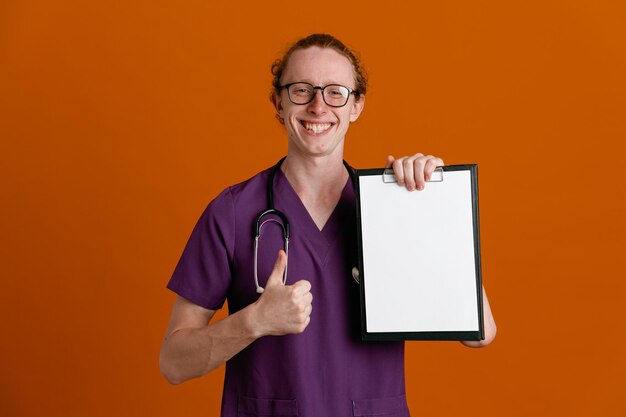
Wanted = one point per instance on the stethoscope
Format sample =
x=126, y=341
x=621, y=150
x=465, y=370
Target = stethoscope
x=283, y=223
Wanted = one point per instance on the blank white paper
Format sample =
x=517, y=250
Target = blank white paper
x=419, y=266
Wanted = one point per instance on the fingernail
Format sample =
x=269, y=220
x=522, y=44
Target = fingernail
x=420, y=187
x=411, y=188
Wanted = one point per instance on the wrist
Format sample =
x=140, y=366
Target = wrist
x=251, y=321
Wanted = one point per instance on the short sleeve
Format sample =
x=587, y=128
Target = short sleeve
x=203, y=273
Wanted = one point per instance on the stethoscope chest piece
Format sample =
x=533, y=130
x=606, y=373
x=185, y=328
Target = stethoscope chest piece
x=355, y=274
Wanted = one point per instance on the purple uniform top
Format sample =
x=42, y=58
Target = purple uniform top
x=326, y=371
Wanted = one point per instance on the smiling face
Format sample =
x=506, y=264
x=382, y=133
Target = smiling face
x=317, y=129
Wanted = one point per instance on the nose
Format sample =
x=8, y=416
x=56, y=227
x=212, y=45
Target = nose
x=317, y=105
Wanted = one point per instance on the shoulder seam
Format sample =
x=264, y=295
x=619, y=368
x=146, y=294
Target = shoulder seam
x=232, y=205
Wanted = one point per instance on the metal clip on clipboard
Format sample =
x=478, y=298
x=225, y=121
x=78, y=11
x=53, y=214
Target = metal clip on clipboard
x=437, y=175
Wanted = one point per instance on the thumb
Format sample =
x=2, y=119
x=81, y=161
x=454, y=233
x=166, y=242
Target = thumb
x=276, y=277
x=390, y=160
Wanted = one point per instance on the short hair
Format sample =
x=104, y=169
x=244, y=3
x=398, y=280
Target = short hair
x=322, y=40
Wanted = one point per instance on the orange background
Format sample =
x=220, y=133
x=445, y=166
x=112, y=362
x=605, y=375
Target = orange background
x=121, y=120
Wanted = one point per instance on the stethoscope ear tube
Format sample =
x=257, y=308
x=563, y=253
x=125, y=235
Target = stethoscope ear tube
x=259, y=289
x=257, y=236
x=260, y=223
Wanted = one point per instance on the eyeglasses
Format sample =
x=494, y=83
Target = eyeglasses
x=334, y=95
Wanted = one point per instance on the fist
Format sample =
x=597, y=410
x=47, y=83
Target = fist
x=283, y=309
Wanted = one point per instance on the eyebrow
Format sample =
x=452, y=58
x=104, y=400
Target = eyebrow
x=321, y=85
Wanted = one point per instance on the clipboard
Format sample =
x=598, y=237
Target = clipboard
x=419, y=256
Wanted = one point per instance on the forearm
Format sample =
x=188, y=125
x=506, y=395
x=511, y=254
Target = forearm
x=193, y=347
x=489, y=324
x=192, y=352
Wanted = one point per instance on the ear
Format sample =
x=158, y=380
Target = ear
x=278, y=105
x=357, y=108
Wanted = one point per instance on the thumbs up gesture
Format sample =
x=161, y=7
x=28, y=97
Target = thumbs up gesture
x=283, y=309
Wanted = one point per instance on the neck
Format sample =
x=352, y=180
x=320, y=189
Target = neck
x=316, y=175
x=318, y=182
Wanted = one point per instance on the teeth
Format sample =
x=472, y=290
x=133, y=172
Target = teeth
x=316, y=127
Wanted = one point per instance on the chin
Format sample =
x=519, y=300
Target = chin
x=315, y=147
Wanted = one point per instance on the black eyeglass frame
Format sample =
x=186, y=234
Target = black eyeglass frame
x=317, y=87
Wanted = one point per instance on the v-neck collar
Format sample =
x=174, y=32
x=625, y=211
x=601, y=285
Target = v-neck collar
x=301, y=222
